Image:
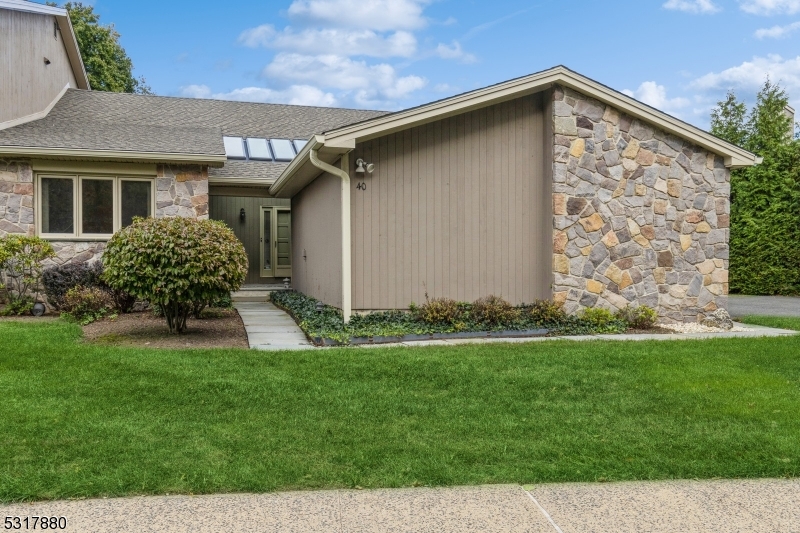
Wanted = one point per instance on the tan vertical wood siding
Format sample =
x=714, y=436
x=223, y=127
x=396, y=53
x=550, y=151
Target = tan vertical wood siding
x=317, y=240
x=228, y=208
x=457, y=208
x=27, y=85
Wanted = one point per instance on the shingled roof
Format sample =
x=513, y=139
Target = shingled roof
x=117, y=122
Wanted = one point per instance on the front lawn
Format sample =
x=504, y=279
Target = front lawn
x=82, y=420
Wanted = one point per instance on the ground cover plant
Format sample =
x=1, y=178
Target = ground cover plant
x=82, y=420
x=443, y=315
x=178, y=264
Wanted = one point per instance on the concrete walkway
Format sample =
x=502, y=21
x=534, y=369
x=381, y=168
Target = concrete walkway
x=654, y=507
x=739, y=306
x=270, y=328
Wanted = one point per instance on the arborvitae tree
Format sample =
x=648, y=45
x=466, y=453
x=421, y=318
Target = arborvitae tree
x=765, y=199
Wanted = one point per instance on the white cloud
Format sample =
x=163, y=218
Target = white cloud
x=295, y=95
x=655, y=95
x=454, y=51
x=770, y=7
x=692, y=6
x=376, y=15
x=777, y=32
x=750, y=75
x=369, y=84
x=332, y=41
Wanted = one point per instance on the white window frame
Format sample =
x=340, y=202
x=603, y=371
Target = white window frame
x=77, y=204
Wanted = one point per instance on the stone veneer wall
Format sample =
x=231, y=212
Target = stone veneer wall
x=16, y=197
x=181, y=190
x=640, y=217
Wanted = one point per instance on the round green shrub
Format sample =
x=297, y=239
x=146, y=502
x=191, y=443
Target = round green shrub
x=641, y=317
x=439, y=311
x=175, y=263
x=494, y=311
x=547, y=313
x=21, y=259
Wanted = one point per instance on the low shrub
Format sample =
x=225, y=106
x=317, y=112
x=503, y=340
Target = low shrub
x=547, y=313
x=21, y=270
x=602, y=320
x=439, y=311
x=87, y=304
x=58, y=280
x=494, y=311
x=641, y=317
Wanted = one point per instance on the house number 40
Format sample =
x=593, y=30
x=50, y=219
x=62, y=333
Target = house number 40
x=361, y=186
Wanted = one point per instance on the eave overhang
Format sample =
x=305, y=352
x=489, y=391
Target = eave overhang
x=333, y=143
x=110, y=155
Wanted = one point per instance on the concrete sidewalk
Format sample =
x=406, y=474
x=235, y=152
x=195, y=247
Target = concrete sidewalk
x=270, y=328
x=655, y=507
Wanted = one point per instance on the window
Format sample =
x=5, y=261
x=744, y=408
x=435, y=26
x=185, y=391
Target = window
x=258, y=149
x=91, y=206
x=234, y=147
x=282, y=149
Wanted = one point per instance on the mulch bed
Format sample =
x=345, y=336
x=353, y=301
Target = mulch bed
x=222, y=328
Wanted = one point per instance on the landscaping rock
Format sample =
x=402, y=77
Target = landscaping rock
x=718, y=319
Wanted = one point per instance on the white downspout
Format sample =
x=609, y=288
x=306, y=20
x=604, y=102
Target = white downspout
x=347, y=306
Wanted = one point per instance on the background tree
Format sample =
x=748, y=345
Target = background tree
x=765, y=199
x=107, y=64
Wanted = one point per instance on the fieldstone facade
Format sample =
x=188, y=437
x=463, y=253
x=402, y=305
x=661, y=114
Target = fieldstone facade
x=641, y=217
x=181, y=190
x=16, y=197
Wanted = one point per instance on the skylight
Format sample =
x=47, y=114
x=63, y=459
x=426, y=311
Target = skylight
x=258, y=149
x=282, y=148
x=299, y=144
x=234, y=147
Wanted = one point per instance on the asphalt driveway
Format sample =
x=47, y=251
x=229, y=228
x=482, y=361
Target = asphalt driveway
x=739, y=305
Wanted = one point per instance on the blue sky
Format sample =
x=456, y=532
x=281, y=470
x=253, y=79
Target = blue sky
x=678, y=55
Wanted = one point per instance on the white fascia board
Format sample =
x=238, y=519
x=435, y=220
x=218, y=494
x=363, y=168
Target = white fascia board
x=463, y=103
x=104, y=155
x=32, y=7
x=303, y=156
x=73, y=51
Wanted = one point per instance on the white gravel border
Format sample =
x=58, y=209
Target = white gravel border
x=694, y=327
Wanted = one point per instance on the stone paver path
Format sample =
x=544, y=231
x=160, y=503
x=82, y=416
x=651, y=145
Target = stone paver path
x=635, y=507
x=270, y=328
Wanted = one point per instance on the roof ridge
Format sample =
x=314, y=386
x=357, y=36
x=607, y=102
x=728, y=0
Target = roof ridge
x=190, y=98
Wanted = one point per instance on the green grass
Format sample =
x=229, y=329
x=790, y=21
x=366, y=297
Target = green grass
x=773, y=321
x=85, y=420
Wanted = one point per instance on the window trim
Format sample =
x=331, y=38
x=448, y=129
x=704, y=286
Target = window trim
x=77, y=204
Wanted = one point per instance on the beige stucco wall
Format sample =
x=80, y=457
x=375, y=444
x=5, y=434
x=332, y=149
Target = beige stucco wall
x=27, y=85
x=456, y=208
x=317, y=240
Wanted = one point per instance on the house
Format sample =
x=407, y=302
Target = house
x=546, y=186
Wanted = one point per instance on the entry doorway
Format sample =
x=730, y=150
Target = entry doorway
x=276, y=242
x=245, y=216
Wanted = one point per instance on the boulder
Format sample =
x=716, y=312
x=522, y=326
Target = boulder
x=718, y=319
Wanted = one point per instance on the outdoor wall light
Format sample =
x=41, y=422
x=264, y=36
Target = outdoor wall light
x=46, y=61
x=361, y=165
x=241, y=214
